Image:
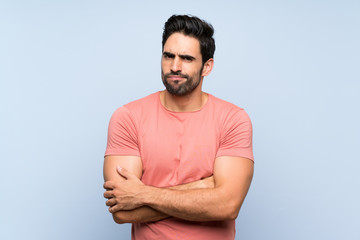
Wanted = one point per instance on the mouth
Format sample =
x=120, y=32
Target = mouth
x=175, y=78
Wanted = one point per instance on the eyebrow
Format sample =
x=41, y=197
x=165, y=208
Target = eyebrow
x=183, y=56
x=168, y=54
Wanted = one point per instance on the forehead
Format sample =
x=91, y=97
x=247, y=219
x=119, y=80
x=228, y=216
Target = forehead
x=179, y=43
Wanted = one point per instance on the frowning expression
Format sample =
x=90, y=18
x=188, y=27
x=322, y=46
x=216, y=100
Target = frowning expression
x=181, y=64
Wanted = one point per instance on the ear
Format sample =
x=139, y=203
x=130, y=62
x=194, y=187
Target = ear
x=208, y=66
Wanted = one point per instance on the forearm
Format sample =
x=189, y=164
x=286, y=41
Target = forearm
x=192, y=205
x=147, y=214
x=232, y=177
x=139, y=215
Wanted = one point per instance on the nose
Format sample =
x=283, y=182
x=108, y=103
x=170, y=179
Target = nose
x=176, y=65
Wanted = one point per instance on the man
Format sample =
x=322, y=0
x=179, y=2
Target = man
x=179, y=162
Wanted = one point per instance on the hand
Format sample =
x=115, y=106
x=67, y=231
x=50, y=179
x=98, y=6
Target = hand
x=123, y=195
x=208, y=182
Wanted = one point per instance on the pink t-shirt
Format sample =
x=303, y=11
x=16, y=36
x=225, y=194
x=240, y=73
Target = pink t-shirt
x=177, y=148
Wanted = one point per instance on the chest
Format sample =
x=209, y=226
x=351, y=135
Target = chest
x=178, y=150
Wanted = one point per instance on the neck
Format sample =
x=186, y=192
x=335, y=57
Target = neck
x=189, y=103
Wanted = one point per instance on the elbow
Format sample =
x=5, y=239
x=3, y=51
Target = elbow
x=119, y=218
x=231, y=214
x=230, y=211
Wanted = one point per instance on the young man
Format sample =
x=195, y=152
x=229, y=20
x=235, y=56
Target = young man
x=179, y=162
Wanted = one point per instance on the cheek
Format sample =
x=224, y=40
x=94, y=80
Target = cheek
x=193, y=69
x=165, y=66
x=195, y=73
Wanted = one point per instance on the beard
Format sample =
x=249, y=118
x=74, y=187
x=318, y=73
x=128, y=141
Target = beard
x=181, y=89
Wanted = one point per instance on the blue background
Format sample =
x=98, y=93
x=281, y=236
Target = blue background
x=65, y=66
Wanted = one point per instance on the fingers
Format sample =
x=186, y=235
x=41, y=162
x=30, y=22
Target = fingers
x=125, y=173
x=109, y=194
x=108, y=185
x=113, y=209
x=110, y=202
x=121, y=171
x=113, y=206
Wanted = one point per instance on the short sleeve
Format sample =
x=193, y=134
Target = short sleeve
x=122, y=134
x=236, y=137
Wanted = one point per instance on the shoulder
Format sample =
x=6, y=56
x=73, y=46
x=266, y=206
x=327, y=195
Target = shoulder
x=235, y=130
x=136, y=109
x=228, y=110
x=144, y=102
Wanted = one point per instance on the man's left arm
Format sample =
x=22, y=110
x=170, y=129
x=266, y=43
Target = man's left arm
x=232, y=177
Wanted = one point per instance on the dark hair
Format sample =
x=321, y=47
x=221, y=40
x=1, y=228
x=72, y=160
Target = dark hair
x=194, y=27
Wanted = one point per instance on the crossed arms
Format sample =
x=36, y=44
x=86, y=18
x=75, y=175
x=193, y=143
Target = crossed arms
x=211, y=199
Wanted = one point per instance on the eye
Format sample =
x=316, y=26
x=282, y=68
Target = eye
x=167, y=55
x=188, y=59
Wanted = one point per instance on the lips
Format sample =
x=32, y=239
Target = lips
x=176, y=77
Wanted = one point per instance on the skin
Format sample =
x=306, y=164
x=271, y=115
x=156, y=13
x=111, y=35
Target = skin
x=216, y=198
x=134, y=166
x=182, y=54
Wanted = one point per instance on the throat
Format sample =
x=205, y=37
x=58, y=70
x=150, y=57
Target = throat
x=188, y=103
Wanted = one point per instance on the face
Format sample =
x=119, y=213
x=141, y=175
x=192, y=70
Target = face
x=181, y=64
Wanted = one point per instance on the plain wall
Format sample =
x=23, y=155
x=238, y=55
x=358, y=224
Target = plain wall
x=65, y=66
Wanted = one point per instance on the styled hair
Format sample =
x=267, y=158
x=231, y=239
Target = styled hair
x=194, y=27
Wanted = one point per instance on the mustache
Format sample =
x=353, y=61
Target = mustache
x=166, y=75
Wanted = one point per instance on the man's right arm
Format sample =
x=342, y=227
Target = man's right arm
x=134, y=165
